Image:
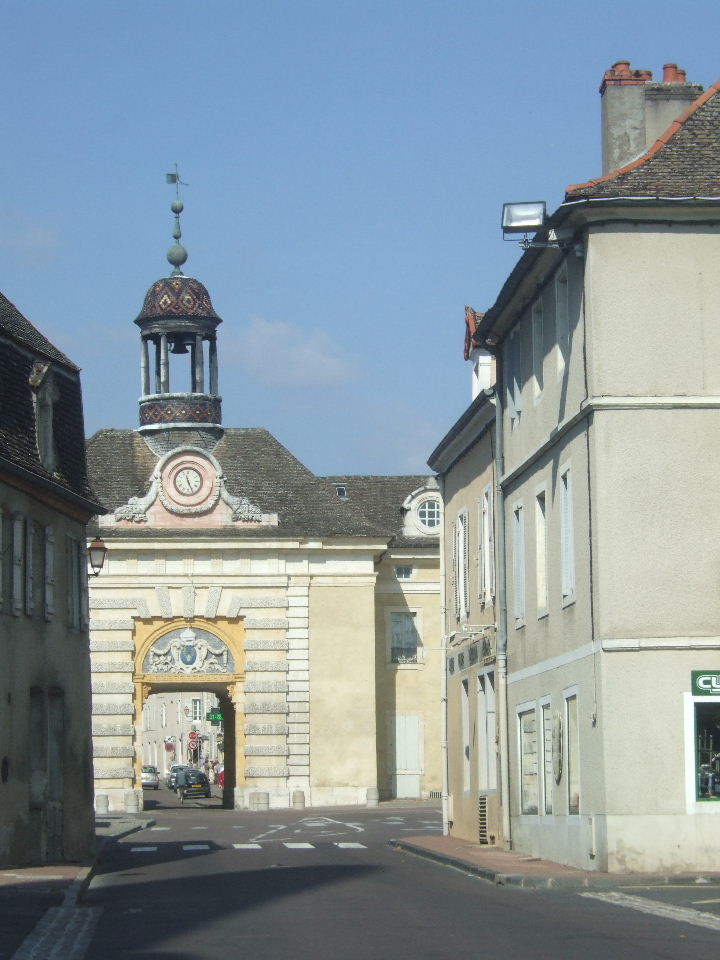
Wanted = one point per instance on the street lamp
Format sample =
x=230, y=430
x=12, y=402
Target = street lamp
x=97, y=551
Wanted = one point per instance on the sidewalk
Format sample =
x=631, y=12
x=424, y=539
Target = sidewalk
x=508, y=868
x=27, y=893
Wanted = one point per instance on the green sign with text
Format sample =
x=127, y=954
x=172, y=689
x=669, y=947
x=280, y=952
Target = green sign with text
x=705, y=683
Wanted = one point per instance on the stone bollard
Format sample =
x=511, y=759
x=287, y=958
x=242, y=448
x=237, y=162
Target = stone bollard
x=131, y=802
x=262, y=801
x=373, y=796
x=102, y=805
x=298, y=800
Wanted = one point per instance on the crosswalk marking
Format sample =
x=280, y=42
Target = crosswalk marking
x=143, y=849
x=351, y=846
x=196, y=846
x=247, y=846
x=299, y=846
x=156, y=829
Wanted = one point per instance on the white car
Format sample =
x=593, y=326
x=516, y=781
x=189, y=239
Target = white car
x=149, y=777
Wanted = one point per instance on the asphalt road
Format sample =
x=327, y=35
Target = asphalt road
x=207, y=883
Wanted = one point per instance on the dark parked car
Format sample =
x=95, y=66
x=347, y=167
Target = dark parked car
x=196, y=785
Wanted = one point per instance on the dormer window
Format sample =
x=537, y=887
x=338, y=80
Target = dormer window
x=429, y=514
x=341, y=491
x=45, y=395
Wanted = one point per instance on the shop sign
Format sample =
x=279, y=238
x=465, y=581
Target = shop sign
x=705, y=683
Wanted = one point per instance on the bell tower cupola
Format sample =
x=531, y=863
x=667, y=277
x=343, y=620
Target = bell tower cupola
x=180, y=403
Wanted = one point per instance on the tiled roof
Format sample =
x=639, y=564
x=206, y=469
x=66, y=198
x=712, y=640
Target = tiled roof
x=21, y=347
x=256, y=466
x=381, y=499
x=683, y=162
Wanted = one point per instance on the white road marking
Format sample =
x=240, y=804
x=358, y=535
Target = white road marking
x=706, y=901
x=30, y=877
x=143, y=849
x=351, y=846
x=198, y=828
x=683, y=914
x=196, y=846
x=156, y=829
x=299, y=846
x=247, y=846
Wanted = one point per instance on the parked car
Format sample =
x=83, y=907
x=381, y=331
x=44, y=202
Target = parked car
x=149, y=777
x=196, y=784
x=172, y=773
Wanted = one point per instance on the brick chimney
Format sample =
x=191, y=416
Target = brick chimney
x=636, y=111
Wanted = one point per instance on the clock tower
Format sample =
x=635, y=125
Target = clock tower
x=180, y=403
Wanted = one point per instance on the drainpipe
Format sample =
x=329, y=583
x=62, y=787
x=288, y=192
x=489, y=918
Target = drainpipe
x=502, y=623
x=443, y=670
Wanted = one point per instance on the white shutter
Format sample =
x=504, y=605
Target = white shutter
x=455, y=572
x=482, y=546
x=518, y=563
x=490, y=523
x=566, y=542
x=466, y=563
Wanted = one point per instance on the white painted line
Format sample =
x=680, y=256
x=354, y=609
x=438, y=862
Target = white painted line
x=351, y=846
x=706, y=901
x=156, y=829
x=247, y=846
x=683, y=914
x=196, y=846
x=198, y=828
x=143, y=849
x=299, y=846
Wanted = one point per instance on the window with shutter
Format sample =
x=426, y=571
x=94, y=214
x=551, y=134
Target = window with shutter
x=538, y=353
x=404, y=640
x=567, y=558
x=29, y=566
x=49, y=595
x=518, y=541
x=541, y=554
x=18, y=564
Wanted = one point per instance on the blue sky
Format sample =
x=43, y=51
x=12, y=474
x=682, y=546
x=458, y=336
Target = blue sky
x=347, y=163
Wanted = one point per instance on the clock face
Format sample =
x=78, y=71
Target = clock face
x=188, y=480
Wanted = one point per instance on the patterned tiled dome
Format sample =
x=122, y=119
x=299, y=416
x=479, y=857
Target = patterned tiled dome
x=178, y=296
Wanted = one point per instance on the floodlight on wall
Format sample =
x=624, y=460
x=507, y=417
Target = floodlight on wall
x=531, y=217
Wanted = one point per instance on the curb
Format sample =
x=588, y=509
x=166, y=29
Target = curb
x=77, y=889
x=546, y=881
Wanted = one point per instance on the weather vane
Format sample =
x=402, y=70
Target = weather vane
x=175, y=178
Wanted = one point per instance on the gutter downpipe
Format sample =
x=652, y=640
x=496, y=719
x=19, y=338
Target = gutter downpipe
x=443, y=668
x=502, y=623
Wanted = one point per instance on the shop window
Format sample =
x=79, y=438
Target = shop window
x=707, y=751
x=528, y=762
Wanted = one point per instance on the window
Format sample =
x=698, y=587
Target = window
x=45, y=394
x=428, y=513
x=707, y=750
x=196, y=712
x=18, y=564
x=567, y=549
x=547, y=748
x=528, y=762
x=562, y=331
x=49, y=573
x=513, y=365
x=403, y=573
x=541, y=554
x=76, y=585
x=487, y=770
x=341, y=492
x=486, y=565
x=462, y=599
x=163, y=715
x=404, y=639
x=538, y=353
x=518, y=546
x=465, y=697
x=573, y=754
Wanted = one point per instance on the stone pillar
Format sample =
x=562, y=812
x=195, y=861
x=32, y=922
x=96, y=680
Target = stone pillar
x=198, y=365
x=164, y=367
x=144, y=368
x=213, y=368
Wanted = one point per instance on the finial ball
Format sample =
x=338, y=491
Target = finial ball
x=177, y=206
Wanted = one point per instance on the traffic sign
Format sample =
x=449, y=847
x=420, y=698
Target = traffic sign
x=193, y=735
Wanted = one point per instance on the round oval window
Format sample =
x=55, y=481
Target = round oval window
x=429, y=513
